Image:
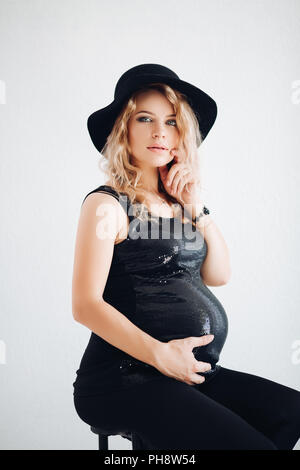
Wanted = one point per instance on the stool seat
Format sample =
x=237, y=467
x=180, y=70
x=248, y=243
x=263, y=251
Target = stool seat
x=104, y=432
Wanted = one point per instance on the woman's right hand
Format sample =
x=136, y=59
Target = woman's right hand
x=176, y=359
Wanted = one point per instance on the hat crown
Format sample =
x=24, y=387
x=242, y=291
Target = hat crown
x=142, y=71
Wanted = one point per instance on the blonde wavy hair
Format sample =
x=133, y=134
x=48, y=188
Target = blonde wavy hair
x=115, y=162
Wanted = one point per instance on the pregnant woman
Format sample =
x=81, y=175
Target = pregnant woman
x=146, y=250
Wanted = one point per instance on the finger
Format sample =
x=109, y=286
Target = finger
x=201, y=340
x=184, y=180
x=181, y=185
x=182, y=177
x=184, y=186
x=198, y=379
x=180, y=171
x=203, y=366
x=173, y=170
x=175, y=182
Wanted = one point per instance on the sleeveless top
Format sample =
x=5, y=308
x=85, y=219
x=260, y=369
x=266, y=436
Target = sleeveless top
x=154, y=280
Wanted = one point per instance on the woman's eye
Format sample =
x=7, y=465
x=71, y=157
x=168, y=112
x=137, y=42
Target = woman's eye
x=139, y=119
x=146, y=117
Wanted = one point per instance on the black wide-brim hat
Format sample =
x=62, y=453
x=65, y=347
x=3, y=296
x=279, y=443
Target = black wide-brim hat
x=101, y=122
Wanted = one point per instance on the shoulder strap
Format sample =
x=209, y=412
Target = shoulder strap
x=103, y=189
x=121, y=197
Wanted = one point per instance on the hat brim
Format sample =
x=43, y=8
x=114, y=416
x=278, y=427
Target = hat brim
x=101, y=121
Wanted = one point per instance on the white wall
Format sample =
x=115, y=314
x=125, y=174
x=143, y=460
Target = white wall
x=59, y=62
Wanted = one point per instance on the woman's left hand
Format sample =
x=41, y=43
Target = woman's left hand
x=183, y=181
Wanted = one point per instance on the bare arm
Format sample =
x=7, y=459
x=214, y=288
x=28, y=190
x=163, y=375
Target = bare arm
x=93, y=255
x=215, y=270
x=111, y=325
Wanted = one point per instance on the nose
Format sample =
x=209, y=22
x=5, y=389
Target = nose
x=160, y=132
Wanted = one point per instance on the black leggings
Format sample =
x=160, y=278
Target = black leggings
x=234, y=410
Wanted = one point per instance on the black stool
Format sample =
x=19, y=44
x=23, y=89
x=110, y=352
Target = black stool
x=103, y=438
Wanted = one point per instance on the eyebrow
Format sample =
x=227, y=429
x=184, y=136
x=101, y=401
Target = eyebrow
x=149, y=112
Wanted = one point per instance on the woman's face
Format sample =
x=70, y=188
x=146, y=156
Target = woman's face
x=155, y=125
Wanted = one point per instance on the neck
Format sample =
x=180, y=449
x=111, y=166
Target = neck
x=149, y=181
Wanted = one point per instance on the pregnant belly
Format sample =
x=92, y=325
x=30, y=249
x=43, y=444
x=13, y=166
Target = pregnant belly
x=180, y=310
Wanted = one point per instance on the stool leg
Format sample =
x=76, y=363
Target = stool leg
x=103, y=442
x=137, y=443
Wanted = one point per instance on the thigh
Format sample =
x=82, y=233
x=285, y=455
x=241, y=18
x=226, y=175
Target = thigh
x=270, y=407
x=169, y=414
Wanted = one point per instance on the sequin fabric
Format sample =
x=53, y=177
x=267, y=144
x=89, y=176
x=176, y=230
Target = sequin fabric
x=155, y=281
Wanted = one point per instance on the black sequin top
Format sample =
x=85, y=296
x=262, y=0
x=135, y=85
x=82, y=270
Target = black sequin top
x=154, y=280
